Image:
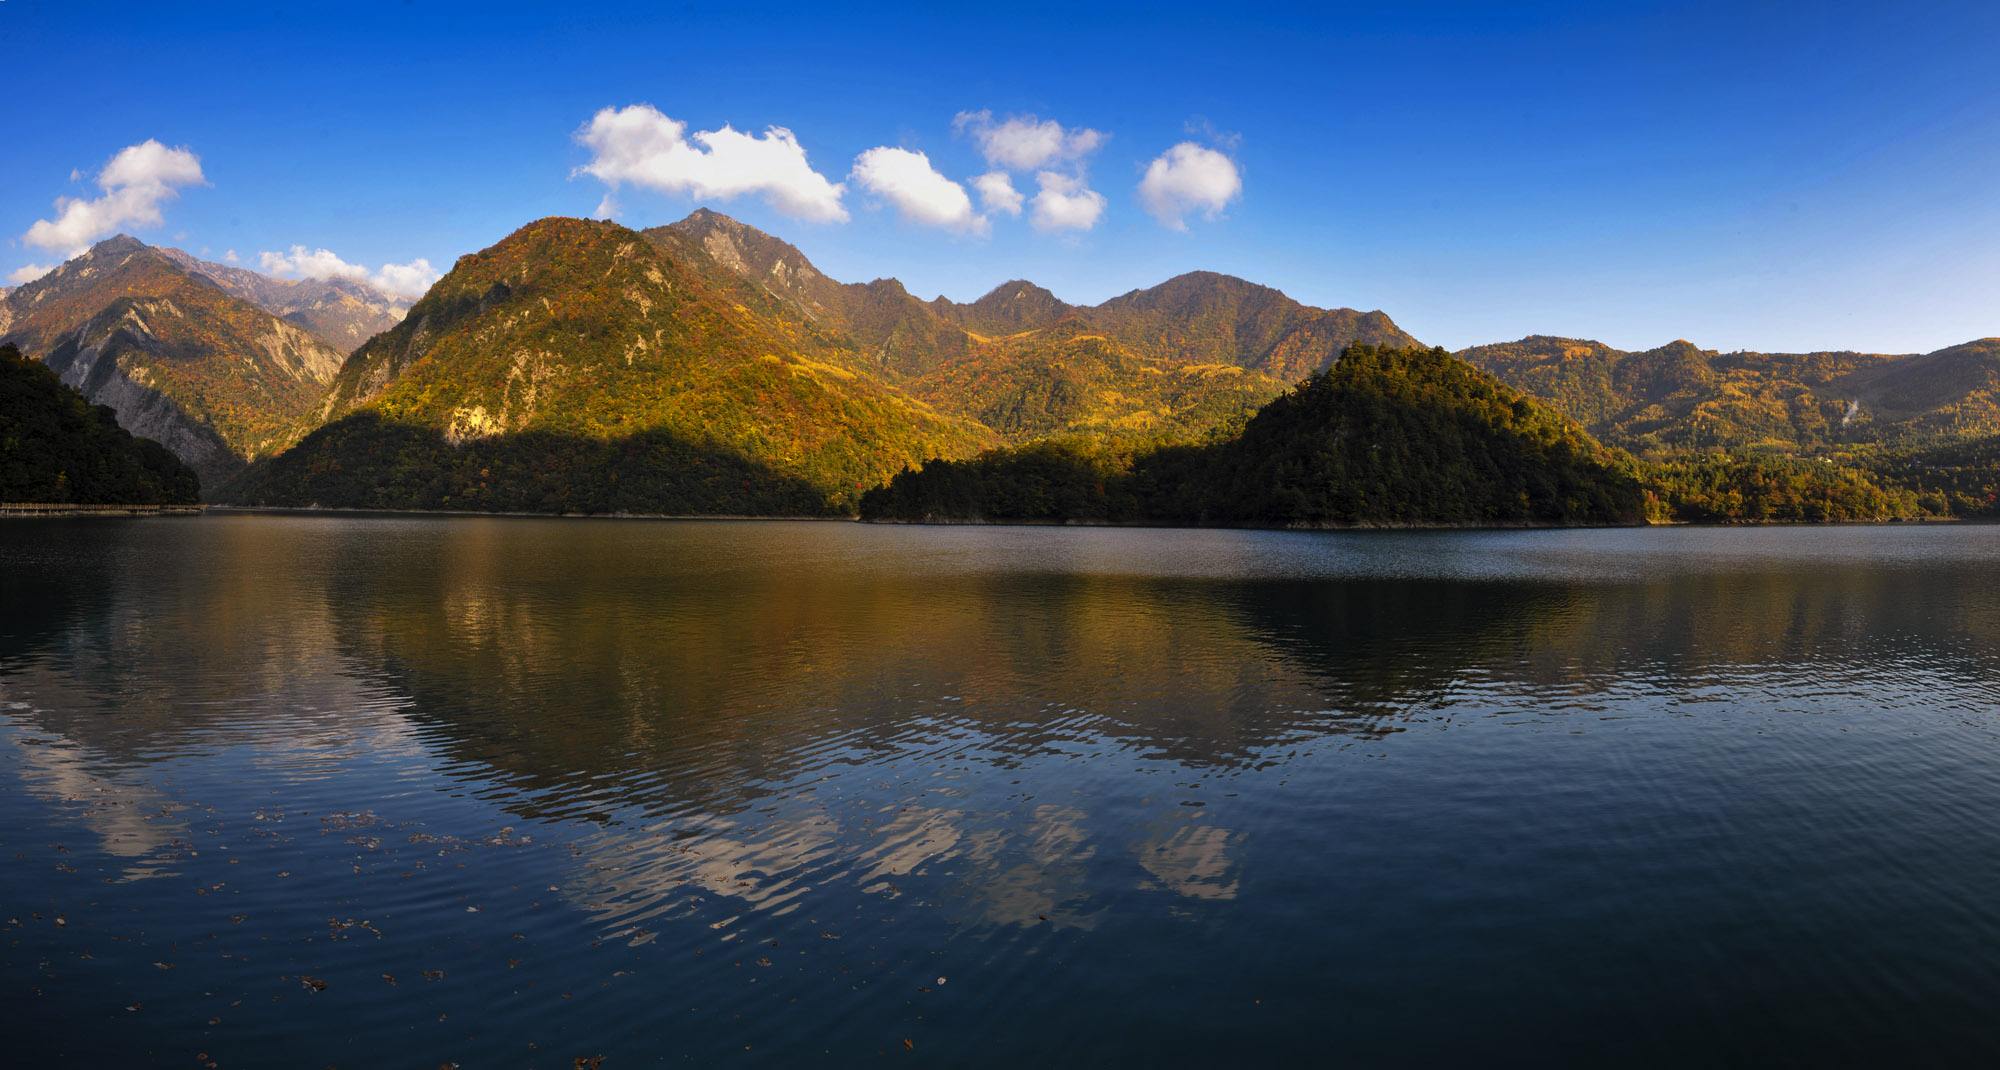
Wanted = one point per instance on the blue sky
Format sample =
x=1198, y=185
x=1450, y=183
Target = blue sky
x=1761, y=176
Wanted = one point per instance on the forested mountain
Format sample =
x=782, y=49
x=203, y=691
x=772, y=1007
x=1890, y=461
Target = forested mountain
x=1681, y=397
x=706, y=366
x=212, y=377
x=579, y=366
x=1009, y=308
x=343, y=313
x=893, y=333
x=1198, y=318
x=1066, y=379
x=1383, y=436
x=55, y=446
x=709, y=367
x=1209, y=318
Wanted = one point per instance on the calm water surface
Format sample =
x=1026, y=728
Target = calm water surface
x=402, y=792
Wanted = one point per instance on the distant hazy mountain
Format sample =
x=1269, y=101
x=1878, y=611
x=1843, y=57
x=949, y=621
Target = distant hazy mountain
x=343, y=313
x=1680, y=395
x=214, y=378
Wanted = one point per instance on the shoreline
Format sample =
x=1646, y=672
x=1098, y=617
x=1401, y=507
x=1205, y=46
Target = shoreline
x=334, y=510
x=32, y=510
x=280, y=510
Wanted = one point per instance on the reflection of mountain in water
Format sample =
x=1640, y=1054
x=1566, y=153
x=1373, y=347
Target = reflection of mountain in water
x=676, y=692
x=753, y=712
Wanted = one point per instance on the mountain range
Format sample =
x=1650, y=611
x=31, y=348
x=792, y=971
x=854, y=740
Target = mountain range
x=1681, y=396
x=706, y=366
x=214, y=378
x=343, y=313
x=557, y=369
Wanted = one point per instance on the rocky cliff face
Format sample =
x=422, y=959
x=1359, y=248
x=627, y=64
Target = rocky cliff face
x=342, y=313
x=215, y=378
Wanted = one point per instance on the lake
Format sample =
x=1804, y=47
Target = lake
x=399, y=791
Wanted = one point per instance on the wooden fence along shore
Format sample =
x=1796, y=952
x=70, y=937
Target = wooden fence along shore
x=8, y=509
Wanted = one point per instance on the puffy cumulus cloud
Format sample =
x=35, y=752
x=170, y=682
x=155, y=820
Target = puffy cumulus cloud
x=29, y=273
x=408, y=281
x=405, y=281
x=316, y=264
x=1186, y=179
x=641, y=146
x=136, y=183
x=1023, y=142
x=997, y=192
x=1065, y=203
x=906, y=179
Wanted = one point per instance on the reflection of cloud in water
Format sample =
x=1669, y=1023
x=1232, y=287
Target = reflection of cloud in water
x=1011, y=870
x=634, y=875
x=916, y=835
x=131, y=821
x=1193, y=862
x=1049, y=882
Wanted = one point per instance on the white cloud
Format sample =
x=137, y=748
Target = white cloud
x=639, y=145
x=1189, y=178
x=407, y=281
x=606, y=208
x=136, y=183
x=907, y=180
x=997, y=192
x=29, y=273
x=1023, y=142
x=1065, y=203
x=230, y=256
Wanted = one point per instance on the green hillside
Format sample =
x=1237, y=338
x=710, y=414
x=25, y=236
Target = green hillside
x=1062, y=379
x=1382, y=437
x=55, y=446
x=1681, y=397
x=577, y=366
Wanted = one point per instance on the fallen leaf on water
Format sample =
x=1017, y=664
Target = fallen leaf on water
x=389, y=977
x=909, y=1045
x=433, y=975
x=313, y=983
